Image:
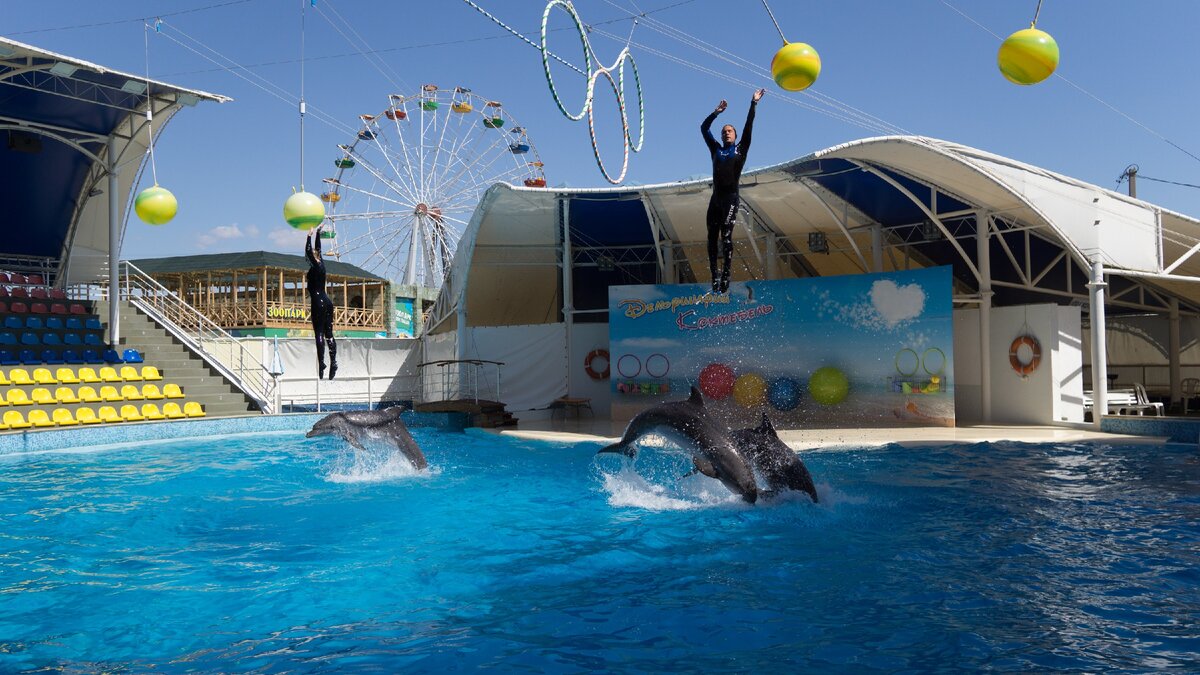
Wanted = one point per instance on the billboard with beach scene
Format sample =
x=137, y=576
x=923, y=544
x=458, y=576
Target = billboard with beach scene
x=867, y=350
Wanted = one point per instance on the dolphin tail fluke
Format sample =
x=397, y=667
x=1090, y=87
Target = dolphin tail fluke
x=619, y=448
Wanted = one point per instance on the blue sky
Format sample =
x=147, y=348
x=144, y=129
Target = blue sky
x=918, y=65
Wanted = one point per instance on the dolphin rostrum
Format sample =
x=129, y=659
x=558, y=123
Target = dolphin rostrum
x=779, y=464
x=713, y=451
x=385, y=425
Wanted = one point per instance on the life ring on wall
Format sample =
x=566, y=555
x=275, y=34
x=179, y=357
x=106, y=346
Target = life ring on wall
x=1025, y=369
x=587, y=364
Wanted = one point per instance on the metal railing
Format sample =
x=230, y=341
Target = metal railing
x=452, y=380
x=219, y=349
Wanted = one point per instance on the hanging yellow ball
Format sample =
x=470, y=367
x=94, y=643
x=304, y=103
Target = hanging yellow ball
x=303, y=211
x=1028, y=56
x=155, y=205
x=796, y=66
x=750, y=390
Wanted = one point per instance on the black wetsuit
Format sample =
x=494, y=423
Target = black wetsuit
x=727, y=160
x=320, y=307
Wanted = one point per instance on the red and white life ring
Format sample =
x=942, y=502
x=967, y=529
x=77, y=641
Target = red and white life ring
x=1025, y=369
x=592, y=372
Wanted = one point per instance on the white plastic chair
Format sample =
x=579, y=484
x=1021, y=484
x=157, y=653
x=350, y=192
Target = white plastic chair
x=1191, y=388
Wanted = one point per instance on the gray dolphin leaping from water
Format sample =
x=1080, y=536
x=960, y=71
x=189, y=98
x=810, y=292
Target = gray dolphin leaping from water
x=385, y=425
x=779, y=464
x=713, y=451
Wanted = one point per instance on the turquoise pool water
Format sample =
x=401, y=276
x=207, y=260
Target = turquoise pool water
x=273, y=553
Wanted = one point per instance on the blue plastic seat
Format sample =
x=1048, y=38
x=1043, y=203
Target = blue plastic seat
x=8, y=338
x=92, y=340
x=51, y=339
x=54, y=323
x=69, y=356
x=91, y=356
x=33, y=322
x=132, y=356
x=73, y=323
x=72, y=339
x=51, y=356
x=7, y=358
x=111, y=356
x=13, y=322
x=29, y=358
x=28, y=338
x=93, y=324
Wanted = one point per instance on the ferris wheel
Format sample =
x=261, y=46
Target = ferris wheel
x=407, y=183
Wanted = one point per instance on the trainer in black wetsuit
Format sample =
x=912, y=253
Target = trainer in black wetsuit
x=321, y=307
x=728, y=159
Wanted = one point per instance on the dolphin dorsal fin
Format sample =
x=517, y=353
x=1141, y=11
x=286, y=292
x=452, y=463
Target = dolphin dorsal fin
x=695, y=396
x=766, y=426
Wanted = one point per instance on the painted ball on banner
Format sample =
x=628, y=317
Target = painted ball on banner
x=750, y=390
x=783, y=393
x=828, y=386
x=716, y=380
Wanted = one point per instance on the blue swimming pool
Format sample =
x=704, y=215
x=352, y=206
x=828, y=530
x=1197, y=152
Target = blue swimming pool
x=273, y=553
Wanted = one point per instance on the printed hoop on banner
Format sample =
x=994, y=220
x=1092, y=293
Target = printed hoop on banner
x=622, y=365
x=666, y=365
x=593, y=71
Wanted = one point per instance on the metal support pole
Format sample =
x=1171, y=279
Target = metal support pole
x=1099, y=345
x=568, y=286
x=983, y=258
x=772, y=256
x=877, y=248
x=114, y=247
x=1174, y=345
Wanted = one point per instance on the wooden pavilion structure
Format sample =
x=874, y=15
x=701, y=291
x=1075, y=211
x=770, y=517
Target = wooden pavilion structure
x=261, y=293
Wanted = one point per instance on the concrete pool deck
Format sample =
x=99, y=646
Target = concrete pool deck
x=573, y=430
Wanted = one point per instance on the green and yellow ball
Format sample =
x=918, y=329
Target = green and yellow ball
x=1028, y=56
x=796, y=66
x=303, y=211
x=828, y=386
x=155, y=205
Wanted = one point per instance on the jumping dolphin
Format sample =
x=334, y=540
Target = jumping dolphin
x=713, y=451
x=778, y=463
x=385, y=425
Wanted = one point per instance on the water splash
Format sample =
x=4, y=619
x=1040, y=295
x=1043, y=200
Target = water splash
x=376, y=462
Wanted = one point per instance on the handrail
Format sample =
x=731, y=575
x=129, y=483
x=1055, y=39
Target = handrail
x=458, y=379
x=211, y=342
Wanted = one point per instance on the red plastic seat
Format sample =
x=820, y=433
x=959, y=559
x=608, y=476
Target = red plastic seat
x=39, y=308
x=3, y=291
x=17, y=278
x=58, y=308
x=3, y=307
x=77, y=308
x=18, y=308
x=58, y=294
x=38, y=293
x=4, y=278
x=35, y=279
x=18, y=292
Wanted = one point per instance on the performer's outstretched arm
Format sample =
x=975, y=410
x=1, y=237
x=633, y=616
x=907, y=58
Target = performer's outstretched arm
x=317, y=237
x=308, y=250
x=706, y=128
x=748, y=130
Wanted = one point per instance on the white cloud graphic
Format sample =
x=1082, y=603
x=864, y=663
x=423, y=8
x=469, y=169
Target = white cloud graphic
x=896, y=304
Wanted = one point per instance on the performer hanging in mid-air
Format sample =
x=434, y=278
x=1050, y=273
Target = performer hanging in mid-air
x=320, y=307
x=728, y=158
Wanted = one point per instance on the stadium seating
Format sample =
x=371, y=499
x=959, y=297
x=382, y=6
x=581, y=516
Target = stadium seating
x=20, y=376
x=51, y=357
x=90, y=356
x=29, y=358
x=17, y=397
x=72, y=339
x=63, y=418
x=111, y=356
x=87, y=416
x=129, y=413
x=109, y=374
x=43, y=376
x=7, y=358
x=13, y=322
x=39, y=308
x=88, y=374
x=130, y=374
x=151, y=412
x=13, y=419
x=193, y=409
x=42, y=396
x=66, y=395
x=4, y=381
x=109, y=414
x=77, y=308
x=110, y=393
x=171, y=390
x=150, y=373
x=130, y=393
x=131, y=356
x=73, y=323
x=151, y=392
x=66, y=376
x=88, y=394
x=172, y=411
x=39, y=418
x=69, y=356
x=92, y=323
x=8, y=338
x=54, y=323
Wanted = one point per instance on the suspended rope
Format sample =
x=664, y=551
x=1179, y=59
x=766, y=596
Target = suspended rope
x=772, y=15
x=150, y=102
x=1036, y=12
x=154, y=205
x=302, y=15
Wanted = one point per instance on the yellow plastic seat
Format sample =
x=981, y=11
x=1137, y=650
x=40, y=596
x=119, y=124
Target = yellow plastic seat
x=88, y=395
x=15, y=420
x=109, y=414
x=88, y=374
x=65, y=395
x=151, y=412
x=39, y=418
x=63, y=418
x=4, y=379
x=129, y=413
x=17, y=397
x=66, y=376
x=172, y=411
x=86, y=416
x=42, y=396
x=151, y=392
x=130, y=374
x=193, y=409
x=110, y=393
x=171, y=390
x=109, y=374
x=130, y=393
x=43, y=376
x=19, y=376
x=3, y=424
x=151, y=373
